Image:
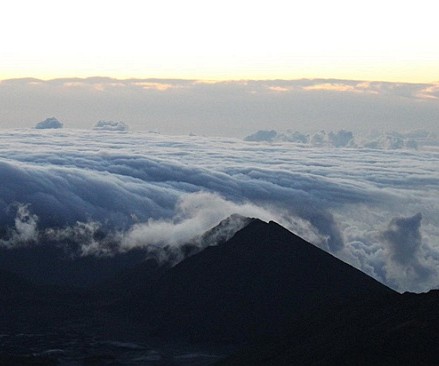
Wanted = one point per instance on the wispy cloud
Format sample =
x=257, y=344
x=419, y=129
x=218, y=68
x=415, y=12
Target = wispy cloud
x=339, y=87
x=429, y=92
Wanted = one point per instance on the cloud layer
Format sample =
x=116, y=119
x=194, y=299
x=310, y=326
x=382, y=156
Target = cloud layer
x=229, y=108
x=390, y=140
x=107, y=190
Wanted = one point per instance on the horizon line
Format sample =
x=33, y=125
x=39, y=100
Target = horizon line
x=210, y=80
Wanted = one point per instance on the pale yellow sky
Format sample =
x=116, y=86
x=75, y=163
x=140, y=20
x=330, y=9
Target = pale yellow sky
x=367, y=40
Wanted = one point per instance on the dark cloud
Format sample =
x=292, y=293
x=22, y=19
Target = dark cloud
x=405, y=249
x=404, y=238
x=327, y=227
x=262, y=135
x=111, y=126
x=49, y=123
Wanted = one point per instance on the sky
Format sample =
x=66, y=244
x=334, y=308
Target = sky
x=356, y=40
x=321, y=115
x=226, y=108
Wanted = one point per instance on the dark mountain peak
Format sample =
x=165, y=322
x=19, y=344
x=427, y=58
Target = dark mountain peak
x=256, y=232
x=255, y=283
x=297, y=303
x=270, y=234
x=217, y=235
x=225, y=230
x=156, y=263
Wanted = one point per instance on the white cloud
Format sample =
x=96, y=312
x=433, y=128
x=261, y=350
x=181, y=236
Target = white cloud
x=194, y=215
x=24, y=230
x=137, y=189
x=389, y=140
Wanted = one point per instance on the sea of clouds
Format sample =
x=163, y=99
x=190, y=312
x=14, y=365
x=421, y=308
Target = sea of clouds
x=111, y=190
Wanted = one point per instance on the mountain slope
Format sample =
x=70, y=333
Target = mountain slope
x=11, y=284
x=254, y=284
x=58, y=264
x=396, y=331
x=265, y=292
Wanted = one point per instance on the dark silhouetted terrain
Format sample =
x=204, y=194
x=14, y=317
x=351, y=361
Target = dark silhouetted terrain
x=252, y=285
x=263, y=297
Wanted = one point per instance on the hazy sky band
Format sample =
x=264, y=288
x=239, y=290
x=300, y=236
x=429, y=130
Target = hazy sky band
x=374, y=40
x=236, y=108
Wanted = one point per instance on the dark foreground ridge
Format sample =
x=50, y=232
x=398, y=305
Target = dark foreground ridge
x=263, y=297
x=255, y=284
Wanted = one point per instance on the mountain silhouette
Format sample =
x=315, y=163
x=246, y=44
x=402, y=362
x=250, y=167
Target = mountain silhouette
x=395, y=331
x=264, y=295
x=11, y=284
x=254, y=284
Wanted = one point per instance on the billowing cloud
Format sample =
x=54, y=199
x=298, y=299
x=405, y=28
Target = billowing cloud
x=194, y=215
x=404, y=238
x=24, y=230
x=408, y=255
x=262, y=135
x=389, y=140
x=49, y=123
x=111, y=126
x=109, y=192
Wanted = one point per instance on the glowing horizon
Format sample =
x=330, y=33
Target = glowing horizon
x=393, y=75
x=374, y=41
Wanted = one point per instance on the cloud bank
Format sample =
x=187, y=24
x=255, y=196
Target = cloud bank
x=229, y=108
x=112, y=192
x=390, y=140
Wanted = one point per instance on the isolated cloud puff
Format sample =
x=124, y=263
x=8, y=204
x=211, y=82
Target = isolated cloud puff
x=404, y=238
x=111, y=126
x=49, y=123
x=262, y=135
x=407, y=253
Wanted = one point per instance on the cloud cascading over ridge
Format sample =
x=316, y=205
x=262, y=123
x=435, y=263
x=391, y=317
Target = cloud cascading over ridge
x=140, y=189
